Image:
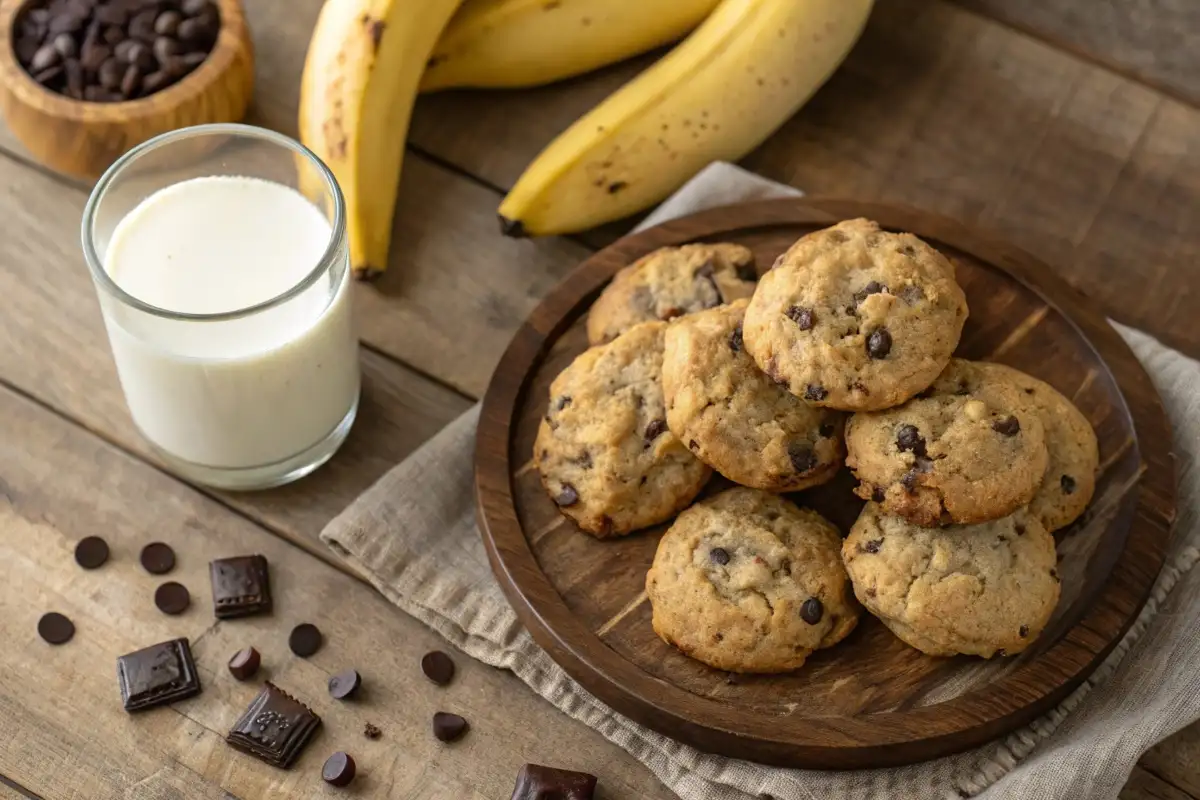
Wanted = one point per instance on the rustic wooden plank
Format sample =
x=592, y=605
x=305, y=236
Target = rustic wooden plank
x=944, y=109
x=60, y=483
x=1177, y=759
x=1154, y=41
x=1144, y=785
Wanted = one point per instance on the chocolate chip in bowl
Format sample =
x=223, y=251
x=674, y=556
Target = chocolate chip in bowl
x=83, y=81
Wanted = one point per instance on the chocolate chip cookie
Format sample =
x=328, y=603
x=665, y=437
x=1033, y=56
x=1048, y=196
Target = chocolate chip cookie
x=669, y=283
x=856, y=318
x=986, y=589
x=1070, y=478
x=735, y=418
x=969, y=449
x=603, y=449
x=746, y=581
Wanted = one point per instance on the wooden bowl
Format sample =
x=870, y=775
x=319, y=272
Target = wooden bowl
x=83, y=139
x=870, y=701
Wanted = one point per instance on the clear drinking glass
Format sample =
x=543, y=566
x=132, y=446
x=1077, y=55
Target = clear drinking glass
x=240, y=394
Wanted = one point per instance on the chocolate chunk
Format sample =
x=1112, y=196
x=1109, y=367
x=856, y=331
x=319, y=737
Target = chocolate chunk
x=827, y=430
x=172, y=598
x=1054, y=574
x=747, y=271
x=159, y=674
x=815, y=392
x=438, y=667
x=1023, y=632
x=91, y=552
x=339, y=769
x=872, y=546
x=536, y=782
x=345, y=684
x=879, y=343
x=912, y=294
x=567, y=496
x=735, y=340
x=719, y=555
x=55, y=628
x=812, y=611
x=693, y=445
x=305, y=639
x=563, y=402
x=803, y=317
x=802, y=456
x=909, y=481
x=274, y=728
x=1009, y=426
x=878, y=495
x=655, y=429
x=372, y=732
x=241, y=586
x=448, y=727
x=245, y=663
x=874, y=287
x=909, y=439
x=157, y=558
x=1067, y=483
x=1020, y=530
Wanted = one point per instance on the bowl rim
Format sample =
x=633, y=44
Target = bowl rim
x=20, y=85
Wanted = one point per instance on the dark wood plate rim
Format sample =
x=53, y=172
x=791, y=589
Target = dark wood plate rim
x=879, y=739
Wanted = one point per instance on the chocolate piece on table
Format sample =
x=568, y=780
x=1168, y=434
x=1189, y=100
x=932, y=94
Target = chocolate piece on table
x=305, y=639
x=161, y=673
x=241, y=586
x=372, y=732
x=438, y=667
x=245, y=663
x=172, y=598
x=158, y=558
x=537, y=783
x=55, y=628
x=345, y=684
x=91, y=552
x=448, y=727
x=275, y=727
x=339, y=769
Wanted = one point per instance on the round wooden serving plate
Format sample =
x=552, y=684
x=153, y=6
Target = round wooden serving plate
x=871, y=701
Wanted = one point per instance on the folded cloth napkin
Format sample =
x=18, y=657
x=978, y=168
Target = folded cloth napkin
x=413, y=536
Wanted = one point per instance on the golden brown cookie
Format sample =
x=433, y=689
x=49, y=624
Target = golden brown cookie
x=746, y=581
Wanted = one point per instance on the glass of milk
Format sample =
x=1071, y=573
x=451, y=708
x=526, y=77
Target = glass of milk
x=219, y=256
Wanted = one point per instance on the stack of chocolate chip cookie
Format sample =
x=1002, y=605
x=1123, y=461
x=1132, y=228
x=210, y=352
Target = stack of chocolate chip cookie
x=966, y=466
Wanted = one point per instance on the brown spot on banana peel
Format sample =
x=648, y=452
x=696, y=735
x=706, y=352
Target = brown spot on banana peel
x=512, y=227
x=367, y=273
x=375, y=28
x=616, y=186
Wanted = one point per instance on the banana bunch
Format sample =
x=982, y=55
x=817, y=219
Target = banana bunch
x=718, y=94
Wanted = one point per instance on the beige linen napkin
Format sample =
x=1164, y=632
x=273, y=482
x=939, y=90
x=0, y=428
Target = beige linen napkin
x=413, y=535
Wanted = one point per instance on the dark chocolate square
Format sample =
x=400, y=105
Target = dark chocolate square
x=275, y=728
x=240, y=586
x=161, y=673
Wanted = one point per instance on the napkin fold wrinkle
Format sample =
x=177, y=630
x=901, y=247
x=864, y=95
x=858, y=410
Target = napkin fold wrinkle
x=413, y=536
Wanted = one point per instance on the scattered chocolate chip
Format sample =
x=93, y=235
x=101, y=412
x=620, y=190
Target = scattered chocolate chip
x=448, y=727
x=567, y=496
x=172, y=598
x=812, y=610
x=535, y=782
x=874, y=287
x=245, y=663
x=372, y=732
x=55, y=628
x=802, y=456
x=815, y=392
x=912, y=294
x=438, y=667
x=803, y=317
x=909, y=481
x=91, y=552
x=719, y=555
x=1067, y=483
x=305, y=639
x=1009, y=426
x=909, y=439
x=157, y=558
x=872, y=546
x=656, y=428
x=692, y=445
x=339, y=769
x=735, y=340
x=1024, y=631
x=345, y=684
x=878, y=495
x=879, y=343
x=827, y=430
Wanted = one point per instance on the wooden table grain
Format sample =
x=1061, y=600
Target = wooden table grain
x=1071, y=127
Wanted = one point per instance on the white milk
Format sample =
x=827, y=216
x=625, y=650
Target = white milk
x=241, y=393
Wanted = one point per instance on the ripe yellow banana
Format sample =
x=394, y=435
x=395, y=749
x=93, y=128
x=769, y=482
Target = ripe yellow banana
x=356, y=96
x=510, y=43
x=717, y=95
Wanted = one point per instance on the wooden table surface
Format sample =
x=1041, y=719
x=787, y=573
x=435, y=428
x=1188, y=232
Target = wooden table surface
x=1072, y=127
